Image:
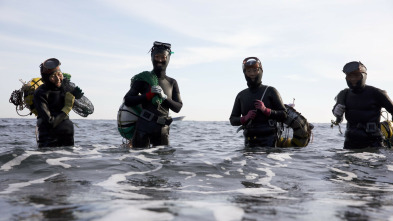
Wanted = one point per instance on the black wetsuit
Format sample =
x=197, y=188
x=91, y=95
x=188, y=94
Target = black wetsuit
x=262, y=131
x=54, y=126
x=150, y=131
x=363, y=113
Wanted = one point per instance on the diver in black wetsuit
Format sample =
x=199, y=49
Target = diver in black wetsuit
x=53, y=105
x=156, y=98
x=257, y=108
x=362, y=105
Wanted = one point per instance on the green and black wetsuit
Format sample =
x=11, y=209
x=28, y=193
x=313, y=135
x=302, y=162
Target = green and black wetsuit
x=153, y=127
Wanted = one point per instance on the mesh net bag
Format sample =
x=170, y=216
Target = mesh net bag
x=83, y=106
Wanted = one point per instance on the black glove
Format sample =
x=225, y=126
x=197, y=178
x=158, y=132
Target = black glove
x=77, y=92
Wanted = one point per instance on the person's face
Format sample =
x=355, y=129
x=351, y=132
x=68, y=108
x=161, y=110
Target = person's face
x=161, y=59
x=252, y=73
x=354, y=77
x=56, y=78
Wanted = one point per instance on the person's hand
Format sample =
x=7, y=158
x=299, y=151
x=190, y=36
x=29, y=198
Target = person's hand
x=250, y=115
x=339, y=110
x=68, y=103
x=158, y=90
x=259, y=105
x=77, y=92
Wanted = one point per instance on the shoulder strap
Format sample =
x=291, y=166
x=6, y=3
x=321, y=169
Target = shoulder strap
x=263, y=95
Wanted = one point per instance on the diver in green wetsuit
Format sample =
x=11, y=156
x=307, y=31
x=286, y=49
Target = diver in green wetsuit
x=157, y=93
x=257, y=108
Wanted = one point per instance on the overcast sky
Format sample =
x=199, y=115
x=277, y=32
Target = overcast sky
x=303, y=45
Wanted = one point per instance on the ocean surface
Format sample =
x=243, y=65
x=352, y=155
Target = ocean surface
x=205, y=174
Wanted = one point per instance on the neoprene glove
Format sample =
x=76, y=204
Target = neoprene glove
x=77, y=92
x=339, y=110
x=259, y=105
x=68, y=103
x=250, y=115
x=158, y=90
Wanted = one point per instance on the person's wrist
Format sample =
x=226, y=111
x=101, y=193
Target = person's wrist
x=243, y=119
x=267, y=111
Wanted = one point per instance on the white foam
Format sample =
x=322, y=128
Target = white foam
x=371, y=157
x=221, y=212
x=123, y=190
x=390, y=167
x=199, y=186
x=16, y=186
x=214, y=175
x=349, y=176
x=188, y=173
x=18, y=160
x=266, y=180
x=207, y=162
x=135, y=212
x=279, y=156
x=251, y=176
x=242, y=163
x=269, y=175
x=57, y=161
x=144, y=158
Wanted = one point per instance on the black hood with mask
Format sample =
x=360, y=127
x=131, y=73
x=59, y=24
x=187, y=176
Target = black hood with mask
x=253, y=62
x=160, y=48
x=356, y=66
x=47, y=68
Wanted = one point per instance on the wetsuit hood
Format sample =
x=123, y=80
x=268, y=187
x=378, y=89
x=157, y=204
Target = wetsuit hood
x=47, y=68
x=359, y=67
x=160, y=48
x=253, y=62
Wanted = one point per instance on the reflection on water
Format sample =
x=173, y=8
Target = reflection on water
x=205, y=174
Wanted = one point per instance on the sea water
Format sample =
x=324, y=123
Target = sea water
x=205, y=174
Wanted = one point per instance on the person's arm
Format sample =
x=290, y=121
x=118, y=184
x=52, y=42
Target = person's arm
x=234, y=119
x=41, y=105
x=278, y=110
x=138, y=93
x=174, y=103
x=339, y=108
x=385, y=101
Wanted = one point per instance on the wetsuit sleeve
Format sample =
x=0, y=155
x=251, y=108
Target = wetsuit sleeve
x=236, y=113
x=174, y=103
x=136, y=94
x=278, y=110
x=340, y=98
x=385, y=101
x=41, y=105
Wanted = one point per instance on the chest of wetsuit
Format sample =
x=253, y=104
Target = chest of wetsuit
x=170, y=88
x=262, y=130
x=245, y=100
